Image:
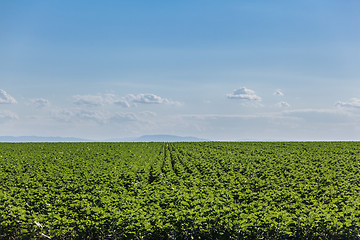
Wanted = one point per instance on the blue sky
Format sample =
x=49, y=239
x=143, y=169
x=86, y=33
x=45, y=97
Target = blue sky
x=221, y=70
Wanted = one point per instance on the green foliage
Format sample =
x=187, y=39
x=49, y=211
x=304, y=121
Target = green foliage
x=180, y=190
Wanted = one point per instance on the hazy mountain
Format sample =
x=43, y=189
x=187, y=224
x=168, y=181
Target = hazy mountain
x=145, y=138
x=41, y=139
x=158, y=138
x=168, y=138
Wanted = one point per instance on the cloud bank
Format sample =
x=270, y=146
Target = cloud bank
x=127, y=101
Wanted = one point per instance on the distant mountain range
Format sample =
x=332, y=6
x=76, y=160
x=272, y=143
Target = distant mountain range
x=41, y=139
x=145, y=138
x=158, y=138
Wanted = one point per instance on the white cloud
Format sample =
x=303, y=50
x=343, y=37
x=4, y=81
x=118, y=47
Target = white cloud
x=146, y=98
x=39, y=102
x=149, y=98
x=6, y=98
x=353, y=103
x=283, y=104
x=278, y=92
x=244, y=94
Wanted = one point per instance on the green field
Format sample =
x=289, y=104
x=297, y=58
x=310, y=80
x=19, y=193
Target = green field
x=210, y=190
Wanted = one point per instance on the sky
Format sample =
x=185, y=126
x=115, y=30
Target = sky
x=218, y=70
